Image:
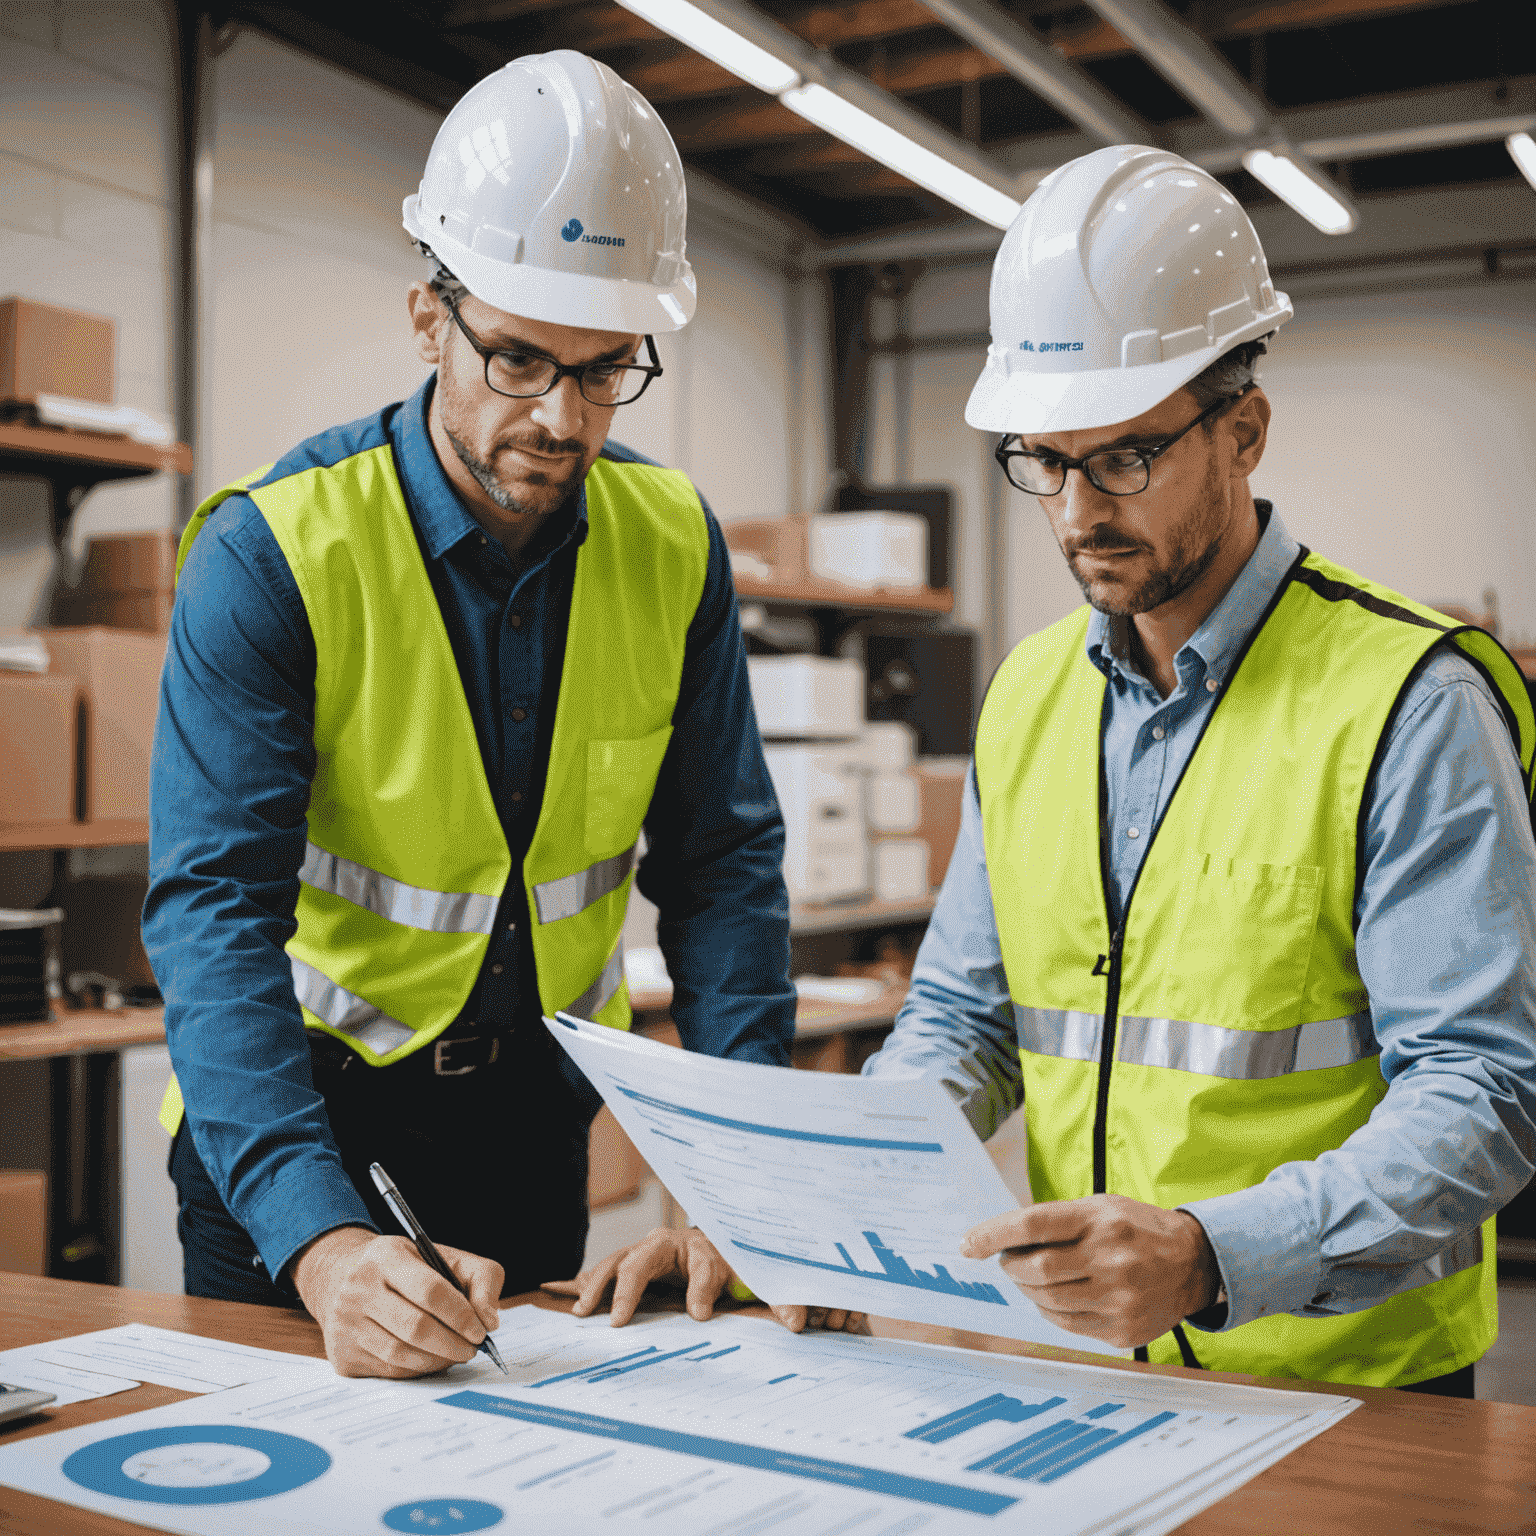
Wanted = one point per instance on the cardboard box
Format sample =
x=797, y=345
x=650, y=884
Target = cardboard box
x=826, y=849
x=146, y=611
x=941, y=789
x=119, y=672
x=870, y=549
x=779, y=542
x=130, y=562
x=899, y=868
x=807, y=696
x=23, y=1221
x=39, y=747
x=49, y=351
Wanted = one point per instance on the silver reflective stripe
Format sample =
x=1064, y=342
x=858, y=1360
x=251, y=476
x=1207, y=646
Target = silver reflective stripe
x=1247, y=1054
x=347, y=1012
x=1206, y=1049
x=1466, y=1251
x=1060, y=1032
x=602, y=990
x=412, y=906
x=571, y=894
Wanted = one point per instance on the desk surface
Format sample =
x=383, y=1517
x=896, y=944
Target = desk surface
x=1401, y=1463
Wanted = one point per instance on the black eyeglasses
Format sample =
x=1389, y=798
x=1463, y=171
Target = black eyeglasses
x=1115, y=471
x=522, y=374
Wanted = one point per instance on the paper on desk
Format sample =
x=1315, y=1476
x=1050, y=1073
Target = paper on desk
x=820, y=1189
x=727, y=1428
x=115, y=1359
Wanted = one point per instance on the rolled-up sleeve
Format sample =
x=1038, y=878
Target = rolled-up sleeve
x=1446, y=945
x=230, y=781
x=957, y=1023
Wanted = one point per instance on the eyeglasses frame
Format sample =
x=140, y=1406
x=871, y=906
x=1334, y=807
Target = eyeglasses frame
x=1003, y=453
x=653, y=370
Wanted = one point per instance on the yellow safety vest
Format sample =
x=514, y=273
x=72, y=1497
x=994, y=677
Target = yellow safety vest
x=1225, y=1029
x=406, y=859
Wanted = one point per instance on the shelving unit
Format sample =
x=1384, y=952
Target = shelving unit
x=45, y=836
x=816, y=593
x=82, y=1032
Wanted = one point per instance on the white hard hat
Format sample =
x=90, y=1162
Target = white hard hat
x=1126, y=273
x=555, y=192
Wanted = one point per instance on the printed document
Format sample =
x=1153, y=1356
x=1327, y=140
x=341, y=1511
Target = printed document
x=728, y=1428
x=820, y=1188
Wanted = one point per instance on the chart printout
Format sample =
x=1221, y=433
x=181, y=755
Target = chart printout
x=820, y=1188
x=733, y=1427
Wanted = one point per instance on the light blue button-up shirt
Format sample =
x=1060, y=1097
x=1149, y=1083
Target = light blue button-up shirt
x=1446, y=944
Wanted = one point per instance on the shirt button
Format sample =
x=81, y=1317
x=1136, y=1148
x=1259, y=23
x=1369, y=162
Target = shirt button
x=496, y=970
x=483, y=539
x=519, y=715
x=1133, y=831
x=516, y=621
x=511, y=927
x=517, y=796
x=1211, y=685
x=1158, y=733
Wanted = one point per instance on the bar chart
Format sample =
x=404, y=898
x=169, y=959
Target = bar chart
x=893, y=1268
x=997, y=1409
x=1065, y=1446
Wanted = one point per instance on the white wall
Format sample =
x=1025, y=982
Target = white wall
x=87, y=173
x=1401, y=446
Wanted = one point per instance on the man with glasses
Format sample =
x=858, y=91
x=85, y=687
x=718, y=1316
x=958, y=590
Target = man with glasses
x=429, y=676
x=1241, y=907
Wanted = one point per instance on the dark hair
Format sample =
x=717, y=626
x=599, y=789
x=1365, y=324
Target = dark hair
x=1230, y=375
x=443, y=283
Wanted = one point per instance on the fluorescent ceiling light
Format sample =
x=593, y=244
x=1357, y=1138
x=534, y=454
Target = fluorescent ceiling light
x=1522, y=150
x=1295, y=184
x=730, y=50
x=890, y=147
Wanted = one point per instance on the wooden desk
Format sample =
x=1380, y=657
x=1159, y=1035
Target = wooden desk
x=1401, y=1463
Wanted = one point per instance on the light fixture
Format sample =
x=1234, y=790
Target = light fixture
x=853, y=125
x=1522, y=150
x=728, y=48
x=1294, y=183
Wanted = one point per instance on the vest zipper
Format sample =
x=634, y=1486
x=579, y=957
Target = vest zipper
x=1106, y=1061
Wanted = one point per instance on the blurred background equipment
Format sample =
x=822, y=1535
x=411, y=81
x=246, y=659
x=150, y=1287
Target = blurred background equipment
x=29, y=964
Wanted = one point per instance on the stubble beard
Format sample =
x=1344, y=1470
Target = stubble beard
x=1193, y=549
x=552, y=493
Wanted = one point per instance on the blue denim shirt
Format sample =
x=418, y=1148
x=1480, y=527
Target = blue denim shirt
x=1446, y=942
x=233, y=762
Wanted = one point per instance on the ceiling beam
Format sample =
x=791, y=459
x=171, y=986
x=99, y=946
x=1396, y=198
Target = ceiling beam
x=484, y=13
x=1077, y=96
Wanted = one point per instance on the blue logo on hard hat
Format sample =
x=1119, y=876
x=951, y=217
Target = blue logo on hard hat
x=572, y=231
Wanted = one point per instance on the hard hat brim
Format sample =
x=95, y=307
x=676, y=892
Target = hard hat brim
x=567, y=298
x=1070, y=402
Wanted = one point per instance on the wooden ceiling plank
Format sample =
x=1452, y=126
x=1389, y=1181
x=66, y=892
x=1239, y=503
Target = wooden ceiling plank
x=684, y=77
x=1243, y=20
x=484, y=13
x=736, y=125
x=864, y=21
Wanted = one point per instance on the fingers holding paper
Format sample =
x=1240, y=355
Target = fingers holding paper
x=686, y=1258
x=1106, y=1266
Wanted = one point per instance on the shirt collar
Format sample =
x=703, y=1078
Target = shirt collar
x=1214, y=648
x=434, y=504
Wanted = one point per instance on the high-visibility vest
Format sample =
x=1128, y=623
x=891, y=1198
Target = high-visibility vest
x=406, y=859
x=1224, y=1029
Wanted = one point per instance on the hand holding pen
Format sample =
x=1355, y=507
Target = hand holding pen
x=425, y=1247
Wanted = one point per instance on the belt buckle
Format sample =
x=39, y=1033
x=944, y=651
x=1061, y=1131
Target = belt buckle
x=443, y=1049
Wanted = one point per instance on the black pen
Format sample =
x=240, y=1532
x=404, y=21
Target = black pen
x=424, y=1246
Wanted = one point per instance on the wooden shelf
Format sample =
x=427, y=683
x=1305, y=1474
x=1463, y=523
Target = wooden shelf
x=44, y=835
x=25, y=449
x=846, y=917
x=814, y=1017
x=816, y=593
x=80, y=1031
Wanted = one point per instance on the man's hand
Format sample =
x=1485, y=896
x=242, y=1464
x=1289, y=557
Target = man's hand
x=688, y=1258
x=1106, y=1266
x=386, y=1313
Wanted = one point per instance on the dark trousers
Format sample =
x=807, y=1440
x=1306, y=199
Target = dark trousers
x=485, y=1136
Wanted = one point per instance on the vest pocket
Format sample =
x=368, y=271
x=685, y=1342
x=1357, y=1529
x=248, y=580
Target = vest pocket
x=621, y=777
x=1240, y=942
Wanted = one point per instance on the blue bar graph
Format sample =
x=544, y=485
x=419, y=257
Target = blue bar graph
x=777, y=1379
x=622, y=1364
x=1063, y=1447
x=893, y=1268
x=721, y=1353
x=843, y=1474
x=998, y=1409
